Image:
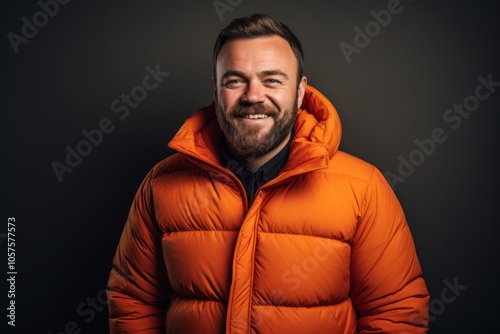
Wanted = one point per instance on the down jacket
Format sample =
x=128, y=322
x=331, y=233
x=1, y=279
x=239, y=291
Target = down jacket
x=323, y=248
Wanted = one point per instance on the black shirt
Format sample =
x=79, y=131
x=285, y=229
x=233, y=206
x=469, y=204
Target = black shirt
x=253, y=181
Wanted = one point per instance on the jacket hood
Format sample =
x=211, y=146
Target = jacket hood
x=318, y=122
x=317, y=133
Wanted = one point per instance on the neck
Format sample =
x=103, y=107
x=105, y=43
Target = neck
x=254, y=163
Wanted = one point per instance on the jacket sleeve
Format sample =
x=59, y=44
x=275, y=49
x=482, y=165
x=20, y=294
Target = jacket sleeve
x=138, y=288
x=387, y=288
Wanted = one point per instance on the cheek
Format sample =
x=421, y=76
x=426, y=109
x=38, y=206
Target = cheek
x=227, y=99
x=283, y=101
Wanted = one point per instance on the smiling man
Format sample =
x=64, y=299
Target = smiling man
x=259, y=224
x=258, y=88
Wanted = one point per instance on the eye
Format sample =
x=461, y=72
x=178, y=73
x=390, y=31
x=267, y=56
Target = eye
x=272, y=82
x=233, y=83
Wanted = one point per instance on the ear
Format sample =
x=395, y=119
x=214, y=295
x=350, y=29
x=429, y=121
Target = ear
x=301, y=90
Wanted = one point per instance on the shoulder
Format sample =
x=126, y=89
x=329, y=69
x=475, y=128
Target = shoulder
x=352, y=174
x=350, y=166
x=172, y=167
x=175, y=163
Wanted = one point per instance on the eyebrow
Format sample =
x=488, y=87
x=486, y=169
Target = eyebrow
x=261, y=74
x=274, y=72
x=232, y=72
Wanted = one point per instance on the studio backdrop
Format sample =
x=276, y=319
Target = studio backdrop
x=92, y=91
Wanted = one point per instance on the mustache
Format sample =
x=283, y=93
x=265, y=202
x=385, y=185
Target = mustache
x=253, y=109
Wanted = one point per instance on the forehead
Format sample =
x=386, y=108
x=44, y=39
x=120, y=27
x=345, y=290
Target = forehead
x=260, y=53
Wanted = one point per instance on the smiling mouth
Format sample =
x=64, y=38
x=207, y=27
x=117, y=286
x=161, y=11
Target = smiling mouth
x=256, y=116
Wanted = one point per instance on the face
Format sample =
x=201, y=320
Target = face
x=257, y=94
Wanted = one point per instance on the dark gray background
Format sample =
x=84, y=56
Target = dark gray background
x=393, y=92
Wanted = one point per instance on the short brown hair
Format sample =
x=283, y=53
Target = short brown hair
x=257, y=25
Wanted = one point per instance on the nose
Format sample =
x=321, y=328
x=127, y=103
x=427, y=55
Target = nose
x=254, y=93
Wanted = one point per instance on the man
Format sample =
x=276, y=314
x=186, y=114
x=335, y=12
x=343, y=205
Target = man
x=259, y=224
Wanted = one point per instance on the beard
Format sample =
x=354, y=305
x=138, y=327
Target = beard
x=251, y=140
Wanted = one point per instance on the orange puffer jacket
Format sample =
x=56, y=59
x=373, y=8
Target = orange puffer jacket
x=323, y=248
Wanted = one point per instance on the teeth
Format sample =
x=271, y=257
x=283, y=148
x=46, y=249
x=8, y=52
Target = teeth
x=256, y=116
